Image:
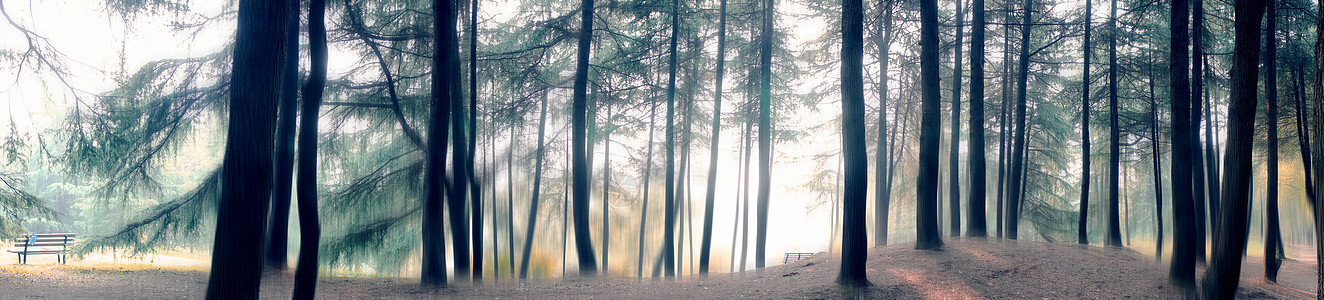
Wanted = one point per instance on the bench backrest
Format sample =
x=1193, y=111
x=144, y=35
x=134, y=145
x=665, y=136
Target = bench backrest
x=794, y=256
x=45, y=239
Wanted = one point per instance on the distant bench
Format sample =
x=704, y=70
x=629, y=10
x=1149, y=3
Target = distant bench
x=795, y=256
x=44, y=243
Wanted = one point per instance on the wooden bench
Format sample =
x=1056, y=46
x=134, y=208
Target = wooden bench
x=45, y=243
x=795, y=256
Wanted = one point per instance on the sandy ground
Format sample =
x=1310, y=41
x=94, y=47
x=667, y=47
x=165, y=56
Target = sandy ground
x=964, y=269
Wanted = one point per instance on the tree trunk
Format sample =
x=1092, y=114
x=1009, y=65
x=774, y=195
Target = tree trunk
x=588, y=265
x=537, y=192
x=740, y=176
x=278, y=223
x=475, y=187
x=669, y=211
x=1182, y=268
x=744, y=228
x=978, y=226
x=648, y=172
x=1115, y=145
x=1273, y=235
x=854, y=238
x=606, y=198
x=1196, y=159
x=953, y=161
x=883, y=194
x=1225, y=266
x=1316, y=132
x=247, y=165
x=1303, y=139
x=1158, y=169
x=310, y=228
x=765, y=132
x=1003, y=125
x=711, y=193
x=434, y=245
x=1082, y=221
x=510, y=201
x=927, y=229
x=460, y=175
x=1018, y=148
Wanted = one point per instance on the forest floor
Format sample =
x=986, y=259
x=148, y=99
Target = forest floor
x=965, y=268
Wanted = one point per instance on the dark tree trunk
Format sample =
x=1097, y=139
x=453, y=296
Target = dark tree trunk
x=1016, y=184
x=537, y=192
x=247, y=166
x=978, y=226
x=310, y=228
x=765, y=133
x=444, y=79
x=1082, y=222
x=648, y=172
x=606, y=198
x=883, y=195
x=1273, y=235
x=1114, y=138
x=669, y=211
x=475, y=187
x=740, y=176
x=1225, y=266
x=1303, y=139
x=1182, y=268
x=927, y=230
x=1316, y=133
x=459, y=173
x=588, y=265
x=1196, y=159
x=711, y=193
x=744, y=227
x=953, y=161
x=1003, y=125
x=279, y=221
x=854, y=237
x=510, y=201
x=1158, y=169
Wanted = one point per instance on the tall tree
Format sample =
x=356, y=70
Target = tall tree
x=711, y=193
x=1316, y=133
x=953, y=162
x=765, y=131
x=606, y=197
x=1272, y=233
x=1115, y=137
x=537, y=191
x=1157, y=157
x=588, y=265
x=459, y=159
x=927, y=230
x=475, y=187
x=1016, y=184
x=854, y=238
x=669, y=211
x=648, y=172
x=1182, y=268
x=1082, y=232
x=1003, y=125
x=279, y=219
x=883, y=195
x=246, y=168
x=978, y=226
x=1303, y=139
x=1196, y=159
x=444, y=78
x=310, y=228
x=1229, y=246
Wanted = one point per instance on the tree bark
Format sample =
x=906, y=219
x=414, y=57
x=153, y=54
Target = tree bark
x=711, y=193
x=854, y=239
x=669, y=211
x=1303, y=139
x=459, y=159
x=247, y=165
x=1003, y=125
x=648, y=172
x=1182, y=268
x=1158, y=169
x=1196, y=159
x=537, y=192
x=978, y=225
x=1225, y=266
x=310, y=228
x=606, y=198
x=1082, y=222
x=953, y=162
x=1114, y=138
x=1016, y=184
x=279, y=221
x=883, y=195
x=588, y=265
x=475, y=187
x=765, y=132
x=1273, y=235
x=927, y=229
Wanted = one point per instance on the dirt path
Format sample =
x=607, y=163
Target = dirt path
x=972, y=268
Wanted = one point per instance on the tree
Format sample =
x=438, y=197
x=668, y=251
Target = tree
x=537, y=192
x=1156, y=156
x=444, y=78
x=1273, y=236
x=1082, y=232
x=954, y=170
x=669, y=210
x=1115, y=137
x=1229, y=246
x=978, y=226
x=765, y=132
x=1016, y=184
x=279, y=219
x=606, y=197
x=711, y=193
x=1316, y=132
x=310, y=230
x=883, y=196
x=648, y=172
x=247, y=165
x=927, y=231
x=475, y=187
x=459, y=159
x=1197, y=168
x=588, y=265
x=854, y=238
